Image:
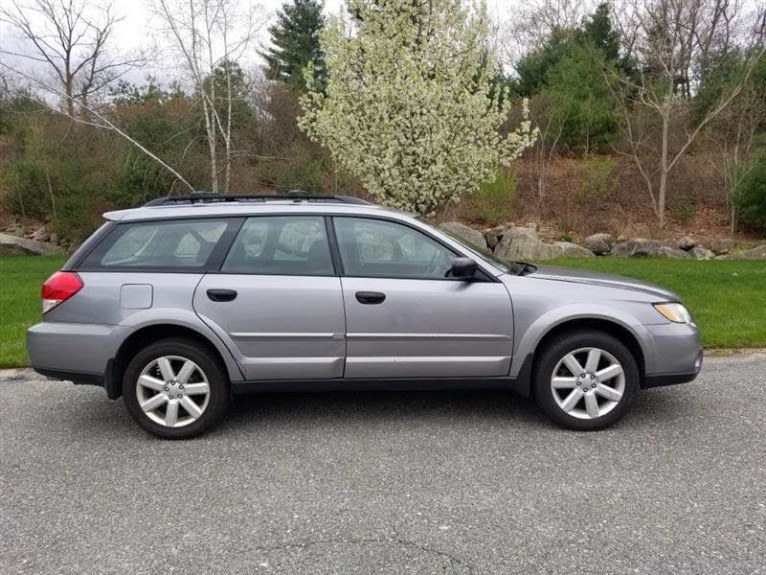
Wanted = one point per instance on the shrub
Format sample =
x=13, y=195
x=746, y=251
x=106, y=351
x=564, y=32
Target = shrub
x=493, y=201
x=600, y=180
x=750, y=198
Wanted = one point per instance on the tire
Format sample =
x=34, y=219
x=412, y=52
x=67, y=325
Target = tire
x=594, y=398
x=180, y=384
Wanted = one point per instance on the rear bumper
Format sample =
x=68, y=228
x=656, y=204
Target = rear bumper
x=79, y=352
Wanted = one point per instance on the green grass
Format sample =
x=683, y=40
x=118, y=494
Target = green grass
x=727, y=298
x=20, y=306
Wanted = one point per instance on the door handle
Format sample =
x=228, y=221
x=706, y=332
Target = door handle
x=370, y=297
x=221, y=294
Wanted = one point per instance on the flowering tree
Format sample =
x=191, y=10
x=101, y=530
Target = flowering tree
x=411, y=105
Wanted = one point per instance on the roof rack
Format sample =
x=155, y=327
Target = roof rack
x=296, y=196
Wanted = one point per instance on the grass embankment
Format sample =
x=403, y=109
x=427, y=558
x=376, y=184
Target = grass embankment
x=728, y=298
x=20, y=305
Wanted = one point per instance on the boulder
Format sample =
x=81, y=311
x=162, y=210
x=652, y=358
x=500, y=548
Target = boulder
x=41, y=235
x=756, y=253
x=639, y=247
x=523, y=244
x=493, y=236
x=16, y=246
x=464, y=232
x=701, y=253
x=721, y=246
x=686, y=243
x=599, y=244
x=570, y=250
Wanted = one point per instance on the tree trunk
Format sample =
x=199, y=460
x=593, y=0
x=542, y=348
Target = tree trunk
x=662, y=192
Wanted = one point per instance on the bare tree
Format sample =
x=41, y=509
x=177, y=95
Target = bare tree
x=673, y=44
x=210, y=36
x=69, y=40
x=529, y=24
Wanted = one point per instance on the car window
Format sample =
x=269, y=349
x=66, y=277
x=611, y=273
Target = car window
x=378, y=248
x=159, y=244
x=281, y=245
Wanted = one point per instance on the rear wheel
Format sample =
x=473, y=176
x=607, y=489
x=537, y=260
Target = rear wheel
x=175, y=389
x=585, y=380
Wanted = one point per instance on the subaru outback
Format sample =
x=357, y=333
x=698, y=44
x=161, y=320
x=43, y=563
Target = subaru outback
x=187, y=301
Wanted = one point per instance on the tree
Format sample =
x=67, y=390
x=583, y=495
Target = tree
x=672, y=43
x=295, y=43
x=410, y=108
x=209, y=36
x=582, y=104
x=71, y=39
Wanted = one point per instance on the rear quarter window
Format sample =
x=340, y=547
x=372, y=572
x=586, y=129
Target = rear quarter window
x=160, y=245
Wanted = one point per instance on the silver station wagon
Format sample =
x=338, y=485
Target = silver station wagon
x=180, y=304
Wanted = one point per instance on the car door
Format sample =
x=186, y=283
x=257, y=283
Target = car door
x=277, y=301
x=405, y=318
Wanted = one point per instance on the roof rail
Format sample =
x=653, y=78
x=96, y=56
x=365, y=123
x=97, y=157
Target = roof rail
x=297, y=196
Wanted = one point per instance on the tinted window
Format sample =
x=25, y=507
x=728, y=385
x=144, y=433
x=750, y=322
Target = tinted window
x=377, y=248
x=160, y=245
x=281, y=245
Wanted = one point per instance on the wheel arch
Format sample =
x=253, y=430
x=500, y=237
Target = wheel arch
x=614, y=328
x=151, y=333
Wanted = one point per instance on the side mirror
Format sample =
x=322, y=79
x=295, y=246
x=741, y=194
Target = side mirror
x=463, y=268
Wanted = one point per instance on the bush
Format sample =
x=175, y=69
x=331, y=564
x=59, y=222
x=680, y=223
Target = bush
x=750, y=198
x=599, y=182
x=493, y=201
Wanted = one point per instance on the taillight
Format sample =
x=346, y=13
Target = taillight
x=58, y=288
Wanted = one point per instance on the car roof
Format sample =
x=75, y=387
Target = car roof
x=213, y=205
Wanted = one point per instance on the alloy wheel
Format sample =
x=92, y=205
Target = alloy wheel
x=173, y=391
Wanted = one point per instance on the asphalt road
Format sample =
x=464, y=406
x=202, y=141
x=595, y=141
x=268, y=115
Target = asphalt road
x=389, y=483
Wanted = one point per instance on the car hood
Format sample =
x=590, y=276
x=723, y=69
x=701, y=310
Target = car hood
x=588, y=277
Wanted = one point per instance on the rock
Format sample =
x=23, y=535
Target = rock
x=16, y=246
x=570, y=250
x=532, y=226
x=41, y=235
x=54, y=238
x=686, y=243
x=524, y=244
x=493, y=237
x=599, y=244
x=15, y=230
x=721, y=246
x=701, y=253
x=639, y=247
x=464, y=232
x=756, y=253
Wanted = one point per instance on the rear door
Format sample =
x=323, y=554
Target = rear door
x=405, y=318
x=277, y=300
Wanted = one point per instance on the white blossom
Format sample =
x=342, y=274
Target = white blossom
x=410, y=106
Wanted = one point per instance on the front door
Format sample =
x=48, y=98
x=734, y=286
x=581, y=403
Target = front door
x=277, y=300
x=405, y=318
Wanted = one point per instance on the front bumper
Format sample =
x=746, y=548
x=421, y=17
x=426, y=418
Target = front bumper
x=676, y=354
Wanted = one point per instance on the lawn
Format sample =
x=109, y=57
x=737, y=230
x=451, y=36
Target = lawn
x=728, y=298
x=20, y=306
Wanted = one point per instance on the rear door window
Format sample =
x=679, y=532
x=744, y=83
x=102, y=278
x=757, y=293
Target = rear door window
x=158, y=245
x=281, y=245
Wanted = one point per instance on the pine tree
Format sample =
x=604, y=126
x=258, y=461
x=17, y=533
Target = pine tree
x=295, y=43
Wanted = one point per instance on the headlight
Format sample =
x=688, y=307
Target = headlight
x=675, y=312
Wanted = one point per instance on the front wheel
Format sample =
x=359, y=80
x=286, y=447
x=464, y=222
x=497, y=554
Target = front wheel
x=585, y=380
x=175, y=389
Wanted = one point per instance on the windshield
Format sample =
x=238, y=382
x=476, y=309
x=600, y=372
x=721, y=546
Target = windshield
x=515, y=268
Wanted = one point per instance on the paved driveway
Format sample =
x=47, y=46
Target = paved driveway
x=389, y=483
